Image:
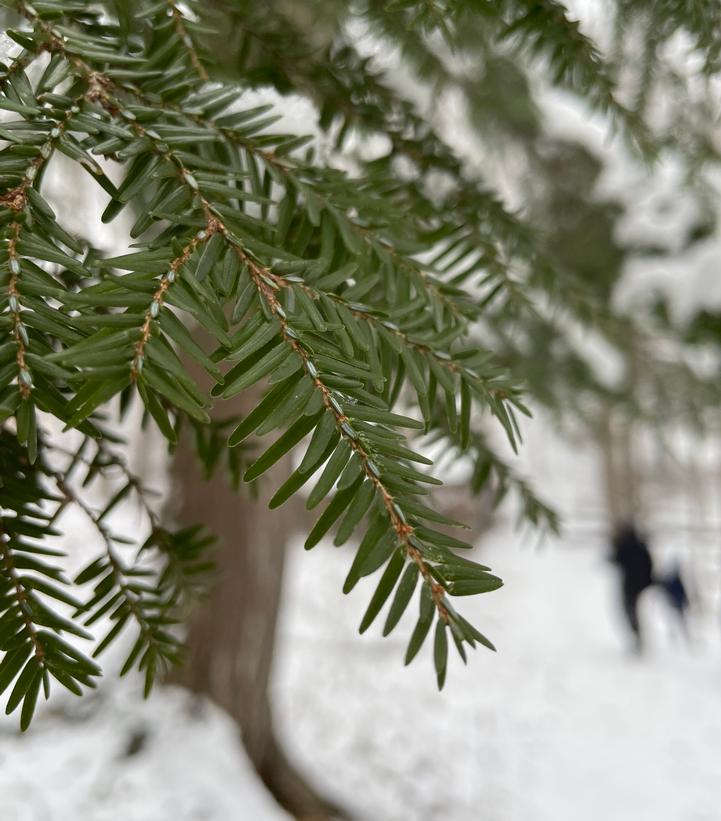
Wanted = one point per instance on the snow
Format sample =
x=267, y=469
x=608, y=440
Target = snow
x=563, y=723
x=165, y=759
x=112, y=754
x=9, y=49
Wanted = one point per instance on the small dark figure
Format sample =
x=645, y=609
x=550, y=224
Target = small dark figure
x=677, y=597
x=632, y=556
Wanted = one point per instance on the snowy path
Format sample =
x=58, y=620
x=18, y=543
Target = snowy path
x=561, y=725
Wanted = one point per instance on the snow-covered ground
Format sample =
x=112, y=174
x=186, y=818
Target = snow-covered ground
x=561, y=725
x=165, y=759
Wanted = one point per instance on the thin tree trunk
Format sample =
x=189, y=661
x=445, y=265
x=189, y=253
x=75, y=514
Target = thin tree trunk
x=231, y=634
x=620, y=477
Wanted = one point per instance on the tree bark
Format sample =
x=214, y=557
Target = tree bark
x=618, y=464
x=231, y=634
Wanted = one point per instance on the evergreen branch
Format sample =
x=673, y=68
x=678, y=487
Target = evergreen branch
x=404, y=532
x=103, y=459
x=142, y=603
x=70, y=496
x=545, y=28
x=214, y=225
x=25, y=379
x=20, y=594
x=306, y=280
x=20, y=63
x=30, y=631
x=16, y=201
x=100, y=92
x=285, y=169
x=185, y=38
x=158, y=300
x=366, y=102
x=100, y=87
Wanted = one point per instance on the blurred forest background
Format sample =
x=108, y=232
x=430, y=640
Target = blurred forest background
x=565, y=723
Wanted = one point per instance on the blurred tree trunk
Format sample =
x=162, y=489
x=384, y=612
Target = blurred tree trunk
x=620, y=452
x=620, y=477
x=231, y=634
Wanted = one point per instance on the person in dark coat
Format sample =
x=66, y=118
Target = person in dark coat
x=633, y=558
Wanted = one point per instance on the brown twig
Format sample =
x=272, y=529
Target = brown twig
x=185, y=38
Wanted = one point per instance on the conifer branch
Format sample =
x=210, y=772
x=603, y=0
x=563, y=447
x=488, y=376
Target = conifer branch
x=20, y=594
x=343, y=298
